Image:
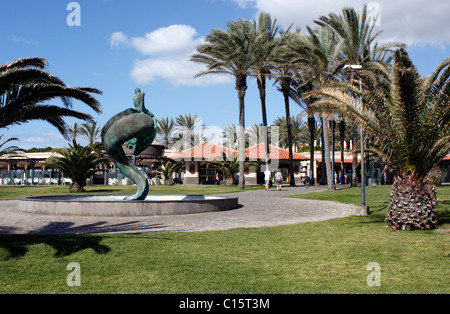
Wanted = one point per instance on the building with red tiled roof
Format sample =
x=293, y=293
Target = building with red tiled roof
x=204, y=151
x=257, y=152
x=196, y=171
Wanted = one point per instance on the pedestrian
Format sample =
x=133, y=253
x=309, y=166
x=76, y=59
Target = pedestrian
x=267, y=178
x=217, y=179
x=278, y=179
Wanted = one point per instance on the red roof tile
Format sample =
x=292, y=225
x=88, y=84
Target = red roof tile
x=210, y=151
x=338, y=160
x=258, y=152
x=206, y=151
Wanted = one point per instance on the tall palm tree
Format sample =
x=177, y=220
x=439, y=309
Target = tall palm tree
x=91, y=132
x=317, y=57
x=231, y=52
x=265, y=45
x=165, y=129
x=25, y=87
x=190, y=130
x=298, y=89
x=359, y=47
x=406, y=117
x=230, y=135
x=297, y=131
x=73, y=132
x=285, y=80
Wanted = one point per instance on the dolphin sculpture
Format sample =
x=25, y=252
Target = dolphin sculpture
x=136, y=128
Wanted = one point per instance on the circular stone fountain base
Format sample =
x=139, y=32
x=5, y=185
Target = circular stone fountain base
x=115, y=206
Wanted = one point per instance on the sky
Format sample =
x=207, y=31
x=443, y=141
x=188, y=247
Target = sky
x=117, y=45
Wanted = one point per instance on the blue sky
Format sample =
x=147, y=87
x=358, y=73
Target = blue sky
x=121, y=45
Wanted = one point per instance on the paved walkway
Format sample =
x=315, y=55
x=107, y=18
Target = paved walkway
x=258, y=209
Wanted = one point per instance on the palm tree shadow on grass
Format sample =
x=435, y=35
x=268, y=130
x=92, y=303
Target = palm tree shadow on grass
x=66, y=238
x=17, y=246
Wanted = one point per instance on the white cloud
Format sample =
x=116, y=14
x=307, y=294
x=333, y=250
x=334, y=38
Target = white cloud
x=168, y=50
x=174, y=39
x=414, y=23
x=178, y=71
x=51, y=139
x=119, y=39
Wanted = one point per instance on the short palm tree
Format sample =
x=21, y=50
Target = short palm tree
x=228, y=165
x=230, y=52
x=78, y=163
x=166, y=171
x=25, y=86
x=406, y=118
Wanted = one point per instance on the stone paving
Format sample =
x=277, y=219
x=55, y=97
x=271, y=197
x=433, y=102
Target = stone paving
x=257, y=209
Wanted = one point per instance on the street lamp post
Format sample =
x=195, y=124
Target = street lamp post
x=364, y=208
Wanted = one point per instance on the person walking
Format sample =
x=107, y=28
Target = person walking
x=278, y=179
x=217, y=179
x=267, y=178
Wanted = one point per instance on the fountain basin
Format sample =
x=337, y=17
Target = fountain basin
x=115, y=206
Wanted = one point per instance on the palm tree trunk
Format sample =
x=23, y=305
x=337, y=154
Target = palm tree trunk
x=412, y=204
x=241, y=87
x=326, y=144
x=322, y=164
x=262, y=95
x=312, y=126
x=355, y=157
x=286, y=91
x=342, y=138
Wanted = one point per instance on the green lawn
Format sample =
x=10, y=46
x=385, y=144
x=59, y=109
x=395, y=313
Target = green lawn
x=324, y=257
x=13, y=192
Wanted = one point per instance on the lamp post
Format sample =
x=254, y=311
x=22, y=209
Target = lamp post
x=364, y=208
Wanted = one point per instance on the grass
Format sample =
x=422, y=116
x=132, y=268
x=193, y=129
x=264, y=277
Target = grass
x=325, y=257
x=13, y=192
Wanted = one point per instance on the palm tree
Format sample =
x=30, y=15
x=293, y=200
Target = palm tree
x=297, y=131
x=406, y=117
x=231, y=52
x=189, y=131
x=359, y=47
x=265, y=45
x=317, y=57
x=73, y=132
x=91, y=132
x=230, y=135
x=10, y=149
x=25, y=86
x=298, y=89
x=166, y=171
x=78, y=163
x=165, y=129
x=228, y=164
